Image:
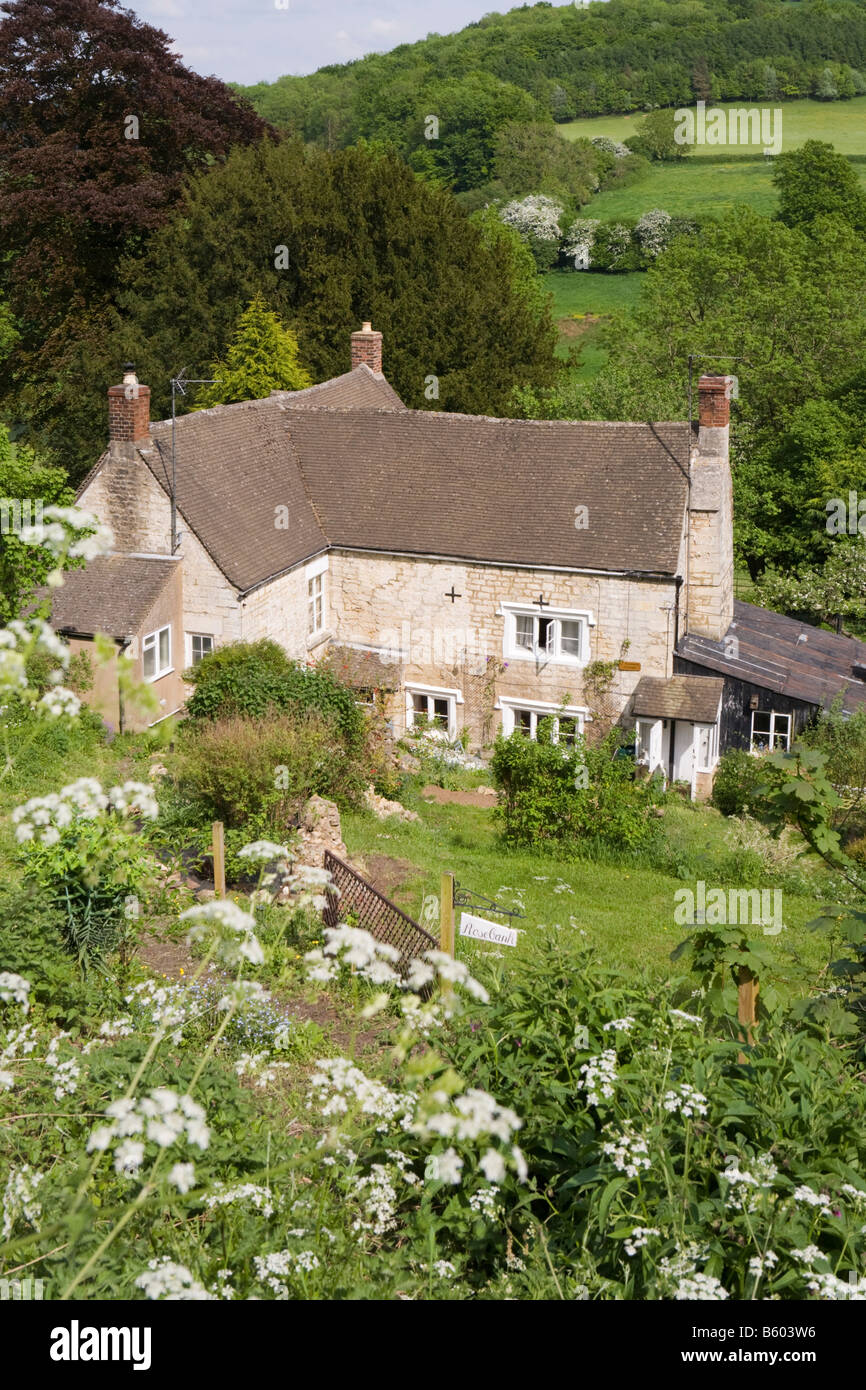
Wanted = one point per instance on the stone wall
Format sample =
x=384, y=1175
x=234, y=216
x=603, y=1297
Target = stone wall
x=400, y=602
x=126, y=495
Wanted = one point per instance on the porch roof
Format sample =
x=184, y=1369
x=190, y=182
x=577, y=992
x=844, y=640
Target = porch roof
x=692, y=698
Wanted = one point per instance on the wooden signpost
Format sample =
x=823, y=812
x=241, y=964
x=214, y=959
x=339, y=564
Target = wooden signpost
x=446, y=914
x=747, y=1006
x=219, y=859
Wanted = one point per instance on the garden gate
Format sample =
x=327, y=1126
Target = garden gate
x=356, y=898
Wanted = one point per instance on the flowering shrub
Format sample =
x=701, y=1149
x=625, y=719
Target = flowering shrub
x=653, y=232
x=536, y=219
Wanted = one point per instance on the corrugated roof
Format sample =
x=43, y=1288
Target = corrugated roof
x=113, y=595
x=785, y=655
x=695, y=698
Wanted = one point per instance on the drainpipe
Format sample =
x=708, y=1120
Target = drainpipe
x=673, y=736
x=122, y=645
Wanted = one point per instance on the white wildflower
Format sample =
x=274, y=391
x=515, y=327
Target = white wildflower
x=14, y=989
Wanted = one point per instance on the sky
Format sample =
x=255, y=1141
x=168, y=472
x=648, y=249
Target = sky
x=259, y=40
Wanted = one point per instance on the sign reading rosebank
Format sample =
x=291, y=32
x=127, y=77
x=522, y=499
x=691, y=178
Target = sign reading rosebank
x=482, y=930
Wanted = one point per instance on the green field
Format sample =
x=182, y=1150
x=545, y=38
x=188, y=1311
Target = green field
x=626, y=912
x=714, y=178
x=581, y=301
x=840, y=123
x=691, y=188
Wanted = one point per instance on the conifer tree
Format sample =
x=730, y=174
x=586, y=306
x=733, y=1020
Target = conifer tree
x=263, y=356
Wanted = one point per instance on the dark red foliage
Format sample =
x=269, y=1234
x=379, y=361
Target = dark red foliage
x=75, y=191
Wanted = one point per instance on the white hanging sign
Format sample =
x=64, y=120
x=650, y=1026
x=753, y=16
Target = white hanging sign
x=482, y=930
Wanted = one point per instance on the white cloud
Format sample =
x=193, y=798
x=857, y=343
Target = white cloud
x=383, y=26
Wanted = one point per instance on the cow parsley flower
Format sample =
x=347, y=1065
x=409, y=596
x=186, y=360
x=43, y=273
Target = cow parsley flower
x=164, y=1279
x=14, y=989
x=128, y=1157
x=740, y=1182
x=629, y=1151
x=263, y=852
x=20, y=1200
x=227, y=922
x=444, y=1167
x=59, y=703
x=223, y=1195
x=622, y=1025
x=599, y=1075
x=182, y=1176
x=639, y=1238
x=135, y=799
x=686, y=1099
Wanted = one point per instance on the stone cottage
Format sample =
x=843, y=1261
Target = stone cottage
x=479, y=573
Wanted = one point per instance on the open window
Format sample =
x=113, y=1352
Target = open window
x=559, y=636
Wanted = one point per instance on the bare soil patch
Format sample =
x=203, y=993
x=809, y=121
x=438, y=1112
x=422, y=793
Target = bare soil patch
x=443, y=795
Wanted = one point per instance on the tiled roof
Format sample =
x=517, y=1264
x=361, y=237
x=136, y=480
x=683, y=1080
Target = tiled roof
x=355, y=390
x=503, y=491
x=267, y=484
x=782, y=654
x=422, y=482
x=363, y=670
x=113, y=594
x=694, y=698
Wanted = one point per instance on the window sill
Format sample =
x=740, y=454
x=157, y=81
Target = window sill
x=151, y=680
x=543, y=659
x=316, y=639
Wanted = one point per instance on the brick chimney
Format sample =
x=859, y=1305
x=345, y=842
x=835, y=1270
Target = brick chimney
x=710, y=564
x=367, y=347
x=128, y=413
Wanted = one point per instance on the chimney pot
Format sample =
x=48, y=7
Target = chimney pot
x=367, y=347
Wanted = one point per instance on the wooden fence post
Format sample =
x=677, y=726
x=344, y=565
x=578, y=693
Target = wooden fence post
x=747, y=1006
x=219, y=859
x=446, y=914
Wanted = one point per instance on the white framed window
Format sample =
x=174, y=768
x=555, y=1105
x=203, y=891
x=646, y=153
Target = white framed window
x=558, y=635
x=156, y=654
x=770, y=731
x=316, y=603
x=522, y=716
x=199, y=644
x=434, y=705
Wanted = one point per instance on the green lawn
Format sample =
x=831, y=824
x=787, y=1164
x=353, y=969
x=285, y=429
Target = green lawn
x=840, y=123
x=581, y=301
x=627, y=913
